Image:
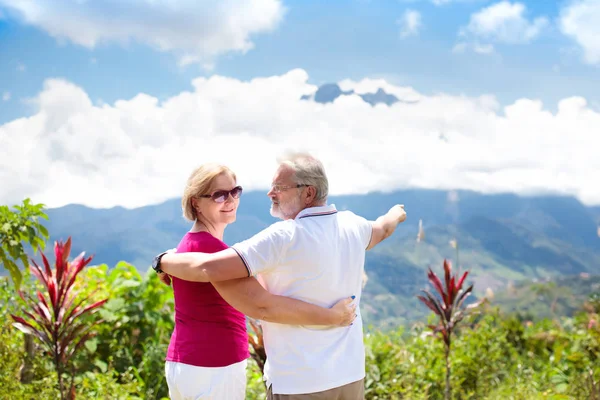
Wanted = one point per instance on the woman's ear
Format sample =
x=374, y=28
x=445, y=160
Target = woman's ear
x=196, y=206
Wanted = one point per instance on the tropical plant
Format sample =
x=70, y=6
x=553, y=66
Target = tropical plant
x=257, y=346
x=54, y=317
x=18, y=226
x=449, y=307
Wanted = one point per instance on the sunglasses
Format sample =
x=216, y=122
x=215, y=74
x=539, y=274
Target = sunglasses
x=221, y=195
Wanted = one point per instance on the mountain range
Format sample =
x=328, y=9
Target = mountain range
x=502, y=239
x=328, y=92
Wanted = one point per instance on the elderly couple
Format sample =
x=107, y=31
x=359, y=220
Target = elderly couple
x=302, y=277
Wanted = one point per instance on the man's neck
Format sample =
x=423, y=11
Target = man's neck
x=321, y=203
x=311, y=205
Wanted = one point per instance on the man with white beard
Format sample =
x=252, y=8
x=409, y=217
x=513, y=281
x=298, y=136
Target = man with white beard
x=316, y=254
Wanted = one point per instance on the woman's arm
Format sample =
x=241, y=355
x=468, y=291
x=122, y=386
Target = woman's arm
x=204, y=267
x=247, y=296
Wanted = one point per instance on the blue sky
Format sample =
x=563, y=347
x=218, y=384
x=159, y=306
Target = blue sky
x=331, y=40
x=95, y=95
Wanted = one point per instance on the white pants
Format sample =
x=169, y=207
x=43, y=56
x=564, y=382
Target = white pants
x=189, y=382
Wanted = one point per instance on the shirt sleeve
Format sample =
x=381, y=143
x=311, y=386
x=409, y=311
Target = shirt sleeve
x=365, y=230
x=263, y=251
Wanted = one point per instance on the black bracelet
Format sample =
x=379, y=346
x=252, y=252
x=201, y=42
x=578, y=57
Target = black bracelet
x=156, y=262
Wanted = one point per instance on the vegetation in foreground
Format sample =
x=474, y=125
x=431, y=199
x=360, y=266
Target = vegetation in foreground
x=494, y=355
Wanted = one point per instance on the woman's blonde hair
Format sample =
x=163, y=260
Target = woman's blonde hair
x=199, y=183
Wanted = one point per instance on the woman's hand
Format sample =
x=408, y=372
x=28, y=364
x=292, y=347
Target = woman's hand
x=344, y=311
x=164, y=278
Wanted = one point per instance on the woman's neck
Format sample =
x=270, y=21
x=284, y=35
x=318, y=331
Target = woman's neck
x=217, y=230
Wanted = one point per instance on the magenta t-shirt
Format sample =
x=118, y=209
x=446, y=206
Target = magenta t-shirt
x=208, y=331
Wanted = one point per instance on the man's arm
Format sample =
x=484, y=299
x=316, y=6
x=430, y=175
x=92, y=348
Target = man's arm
x=385, y=225
x=249, y=297
x=204, y=267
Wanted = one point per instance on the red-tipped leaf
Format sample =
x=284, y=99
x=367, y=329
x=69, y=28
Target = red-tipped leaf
x=440, y=312
x=463, y=296
x=47, y=269
x=428, y=303
x=462, y=280
x=89, y=308
x=447, y=272
x=38, y=273
x=437, y=284
x=451, y=292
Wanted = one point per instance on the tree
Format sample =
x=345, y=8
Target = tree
x=18, y=226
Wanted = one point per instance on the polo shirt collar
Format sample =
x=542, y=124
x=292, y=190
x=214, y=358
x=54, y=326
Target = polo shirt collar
x=328, y=209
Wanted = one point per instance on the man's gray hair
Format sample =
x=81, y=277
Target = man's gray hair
x=308, y=170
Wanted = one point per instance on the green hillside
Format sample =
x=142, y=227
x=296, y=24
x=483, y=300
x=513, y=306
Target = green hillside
x=562, y=296
x=502, y=239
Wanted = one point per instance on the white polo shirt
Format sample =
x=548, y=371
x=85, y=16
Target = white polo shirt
x=318, y=257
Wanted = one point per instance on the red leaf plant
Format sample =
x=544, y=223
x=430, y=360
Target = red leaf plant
x=54, y=317
x=257, y=346
x=449, y=307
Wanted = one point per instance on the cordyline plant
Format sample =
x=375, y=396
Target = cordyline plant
x=257, y=346
x=449, y=307
x=54, y=317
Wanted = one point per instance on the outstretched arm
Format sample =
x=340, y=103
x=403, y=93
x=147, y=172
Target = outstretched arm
x=385, y=225
x=204, y=267
x=249, y=297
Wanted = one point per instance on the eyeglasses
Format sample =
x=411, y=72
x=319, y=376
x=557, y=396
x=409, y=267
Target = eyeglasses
x=281, y=188
x=221, y=195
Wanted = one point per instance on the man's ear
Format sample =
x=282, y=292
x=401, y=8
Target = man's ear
x=311, y=194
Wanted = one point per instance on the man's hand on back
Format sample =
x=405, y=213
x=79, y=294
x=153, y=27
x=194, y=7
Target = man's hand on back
x=345, y=311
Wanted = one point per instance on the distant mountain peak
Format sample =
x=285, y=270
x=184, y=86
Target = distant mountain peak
x=328, y=92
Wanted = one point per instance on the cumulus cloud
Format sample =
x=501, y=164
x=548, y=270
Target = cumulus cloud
x=502, y=22
x=196, y=31
x=410, y=23
x=6, y=96
x=140, y=151
x=579, y=20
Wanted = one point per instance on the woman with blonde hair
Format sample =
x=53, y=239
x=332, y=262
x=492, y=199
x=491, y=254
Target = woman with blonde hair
x=208, y=351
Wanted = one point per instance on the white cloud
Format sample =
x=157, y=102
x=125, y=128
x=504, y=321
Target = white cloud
x=460, y=47
x=579, y=20
x=196, y=31
x=139, y=151
x=502, y=22
x=410, y=23
x=6, y=96
x=478, y=48
x=21, y=67
x=439, y=2
x=483, y=48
